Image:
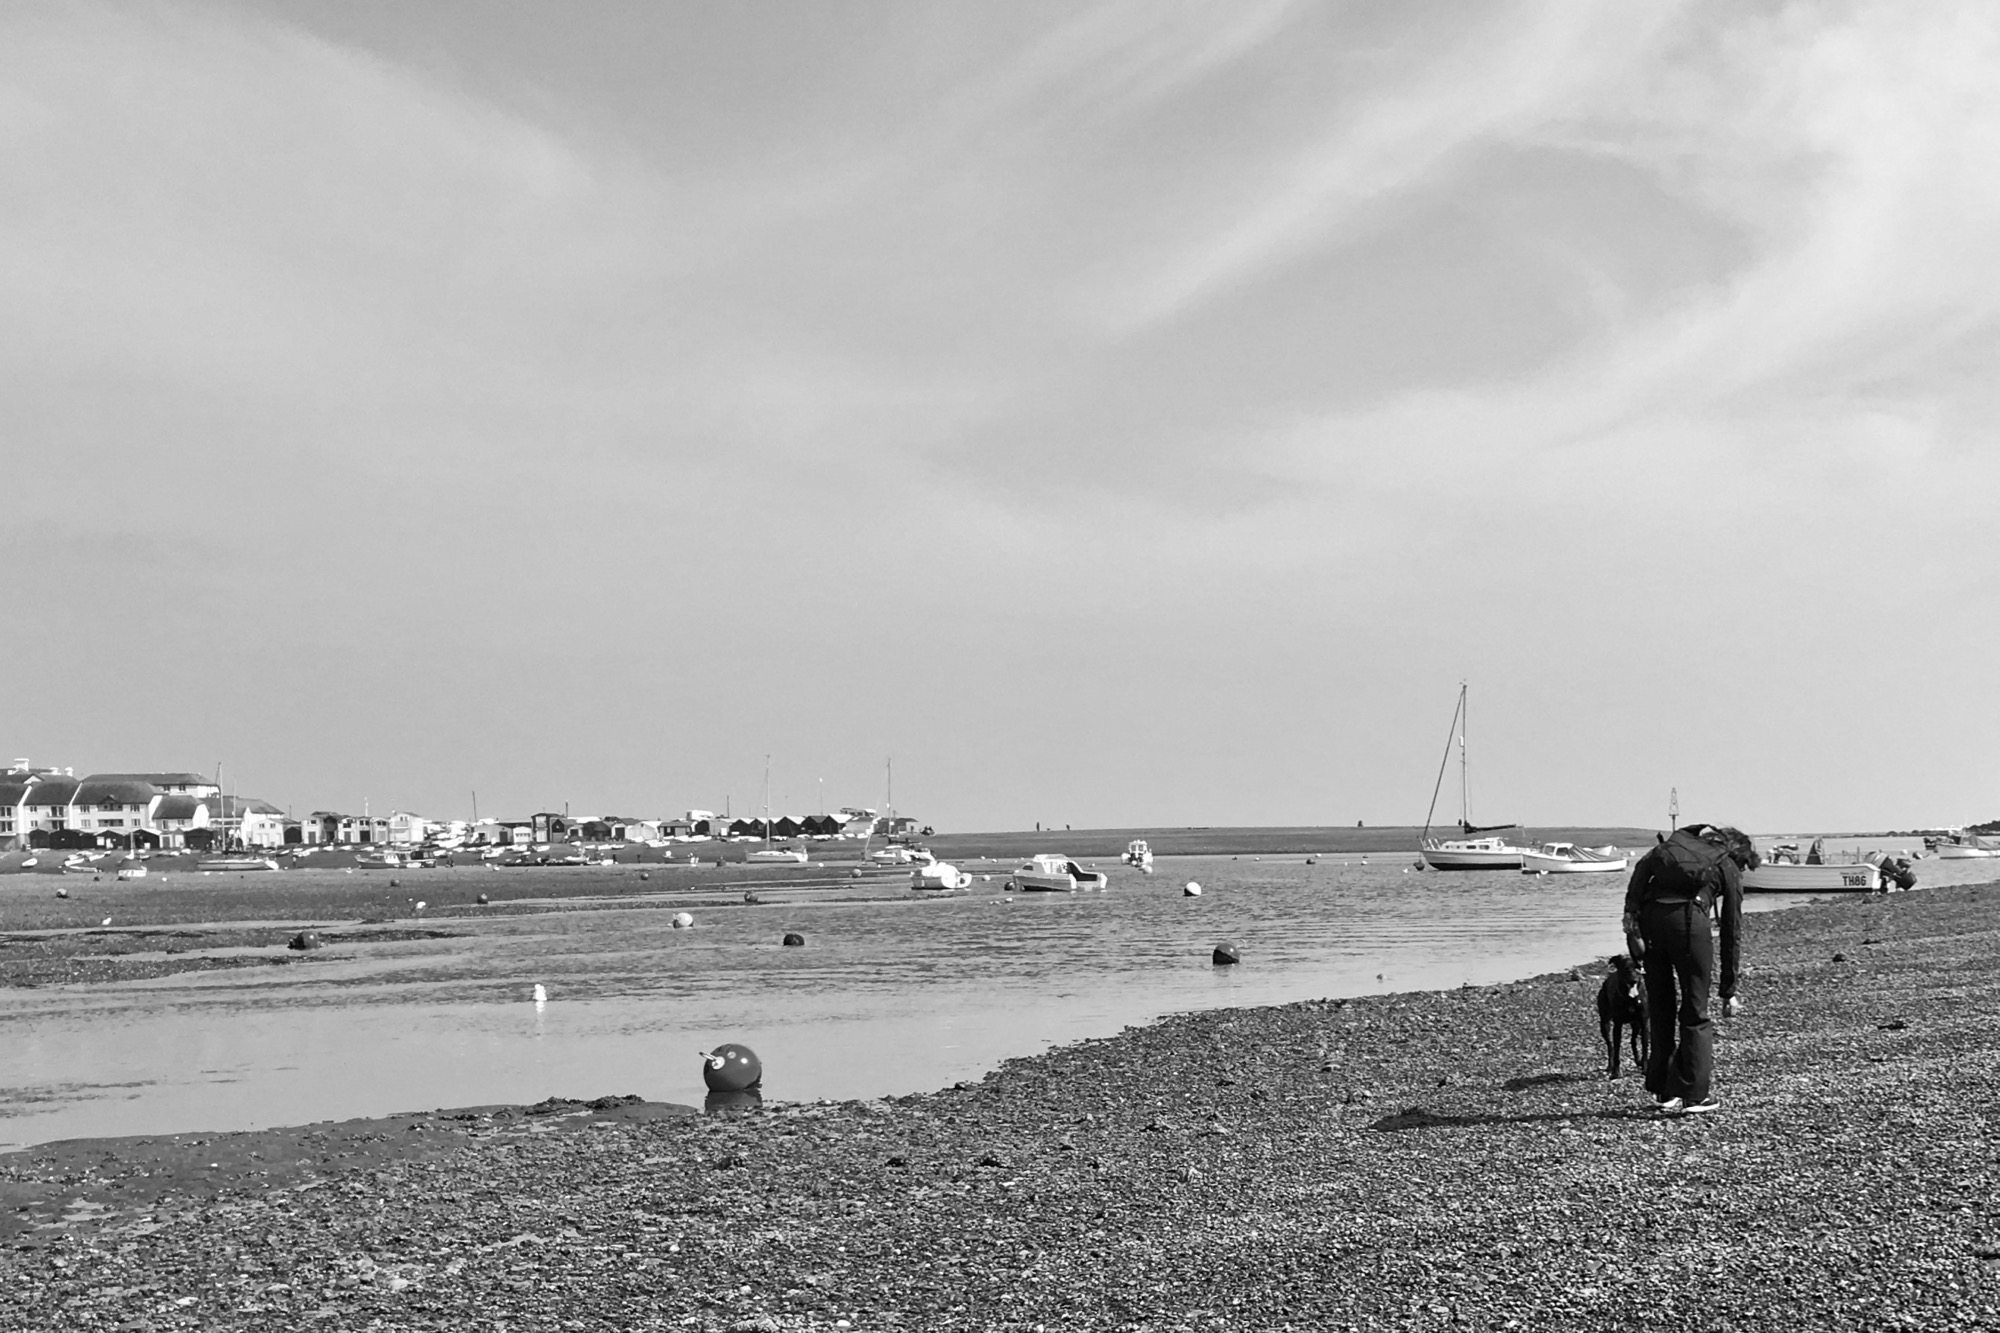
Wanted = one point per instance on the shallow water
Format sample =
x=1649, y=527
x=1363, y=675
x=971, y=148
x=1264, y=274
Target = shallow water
x=885, y=997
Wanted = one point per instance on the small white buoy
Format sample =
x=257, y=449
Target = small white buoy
x=682, y=920
x=541, y=993
x=106, y=921
x=422, y=905
x=62, y=893
x=1191, y=890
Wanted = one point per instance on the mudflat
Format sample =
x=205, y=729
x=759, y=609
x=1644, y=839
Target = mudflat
x=1428, y=1160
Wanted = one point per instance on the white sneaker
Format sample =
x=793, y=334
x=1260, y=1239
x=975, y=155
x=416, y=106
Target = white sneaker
x=1704, y=1105
x=1669, y=1106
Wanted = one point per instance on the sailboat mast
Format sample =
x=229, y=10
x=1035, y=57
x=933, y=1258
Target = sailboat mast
x=1464, y=774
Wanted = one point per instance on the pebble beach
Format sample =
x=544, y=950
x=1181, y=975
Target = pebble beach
x=1431, y=1160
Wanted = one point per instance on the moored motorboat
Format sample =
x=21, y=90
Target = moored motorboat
x=1967, y=847
x=132, y=870
x=789, y=856
x=1052, y=872
x=900, y=854
x=940, y=877
x=1784, y=877
x=1566, y=858
x=1138, y=854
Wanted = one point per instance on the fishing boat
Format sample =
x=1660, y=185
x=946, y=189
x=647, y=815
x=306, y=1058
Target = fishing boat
x=235, y=863
x=132, y=870
x=940, y=877
x=1566, y=858
x=901, y=854
x=1785, y=877
x=1054, y=873
x=1138, y=854
x=1967, y=847
x=382, y=860
x=1467, y=852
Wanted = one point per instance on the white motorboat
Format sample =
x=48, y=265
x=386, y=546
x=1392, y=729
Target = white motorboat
x=132, y=870
x=900, y=854
x=940, y=877
x=235, y=863
x=1968, y=847
x=1054, y=873
x=790, y=856
x=1138, y=854
x=1785, y=877
x=1468, y=852
x=1566, y=858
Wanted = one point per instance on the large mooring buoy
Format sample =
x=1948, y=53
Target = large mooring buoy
x=1190, y=890
x=731, y=1067
x=794, y=940
x=1226, y=954
x=682, y=920
x=304, y=940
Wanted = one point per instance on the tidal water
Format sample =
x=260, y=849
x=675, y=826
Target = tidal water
x=885, y=997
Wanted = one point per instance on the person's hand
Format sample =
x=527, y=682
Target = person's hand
x=1732, y=1006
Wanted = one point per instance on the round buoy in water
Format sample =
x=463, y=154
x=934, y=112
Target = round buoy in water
x=305, y=939
x=645, y=874
x=62, y=893
x=682, y=921
x=794, y=940
x=1190, y=890
x=541, y=993
x=1225, y=954
x=483, y=900
x=855, y=873
x=731, y=1067
x=395, y=883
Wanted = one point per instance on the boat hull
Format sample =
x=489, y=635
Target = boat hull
x=1956, y=853
x=1058, y=883
x=1444, y=856
x=1534, y=863
x=1783, y=878
x=237, y=863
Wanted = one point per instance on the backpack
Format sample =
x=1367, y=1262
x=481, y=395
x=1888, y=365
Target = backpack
x=1686, y=866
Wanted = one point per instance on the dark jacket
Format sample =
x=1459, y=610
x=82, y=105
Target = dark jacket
x=1689, y=868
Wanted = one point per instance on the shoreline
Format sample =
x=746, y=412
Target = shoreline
x=1429, y=1159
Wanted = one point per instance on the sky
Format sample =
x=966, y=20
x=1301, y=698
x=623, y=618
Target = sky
x=1106, y=415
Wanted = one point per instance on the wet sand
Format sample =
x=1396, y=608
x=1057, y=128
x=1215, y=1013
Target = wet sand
x=1428, y=1160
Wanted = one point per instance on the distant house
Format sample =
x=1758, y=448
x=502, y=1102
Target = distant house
x=45, y=809
x=551, y=827
x=176, y=817
x=407, y=829
x=319, y=827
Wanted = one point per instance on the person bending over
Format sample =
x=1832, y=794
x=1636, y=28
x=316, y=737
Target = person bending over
x=1673, y=890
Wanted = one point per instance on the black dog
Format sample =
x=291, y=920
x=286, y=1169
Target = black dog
x=1621, y=1003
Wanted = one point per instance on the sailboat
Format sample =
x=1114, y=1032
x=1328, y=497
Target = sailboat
x=768, y=853
x=1468, y=852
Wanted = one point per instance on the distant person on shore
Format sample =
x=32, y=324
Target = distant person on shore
x=1667, y=904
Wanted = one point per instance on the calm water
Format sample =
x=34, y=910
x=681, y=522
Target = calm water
x=886, y=997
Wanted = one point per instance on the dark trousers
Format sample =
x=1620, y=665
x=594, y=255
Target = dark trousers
x=1680, y=959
